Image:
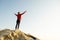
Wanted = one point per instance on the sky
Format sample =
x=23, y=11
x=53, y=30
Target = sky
x=41, y=20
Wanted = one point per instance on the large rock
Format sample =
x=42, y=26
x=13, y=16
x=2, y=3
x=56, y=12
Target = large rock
x=15, y=35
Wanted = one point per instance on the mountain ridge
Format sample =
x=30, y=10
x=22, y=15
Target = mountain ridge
x=17, y=34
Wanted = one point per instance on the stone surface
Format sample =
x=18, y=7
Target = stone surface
x=15, y=35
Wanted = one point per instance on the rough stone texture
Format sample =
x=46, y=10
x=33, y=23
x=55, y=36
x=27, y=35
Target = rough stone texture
x=15, y=35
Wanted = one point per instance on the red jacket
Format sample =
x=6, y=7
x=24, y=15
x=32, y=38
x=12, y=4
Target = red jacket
x=18, y=16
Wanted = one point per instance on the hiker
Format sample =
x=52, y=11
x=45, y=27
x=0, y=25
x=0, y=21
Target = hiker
x=19, y=19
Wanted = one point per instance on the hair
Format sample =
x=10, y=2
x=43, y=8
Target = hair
x=18, y=12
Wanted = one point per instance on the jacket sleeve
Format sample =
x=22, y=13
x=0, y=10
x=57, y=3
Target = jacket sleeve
x=16, y=14
x=23, y=12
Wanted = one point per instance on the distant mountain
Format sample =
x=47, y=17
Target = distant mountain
x=17, y=34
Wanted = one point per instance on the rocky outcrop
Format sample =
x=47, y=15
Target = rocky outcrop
x=15, y=35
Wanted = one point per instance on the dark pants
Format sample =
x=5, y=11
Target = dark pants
x=17, y=24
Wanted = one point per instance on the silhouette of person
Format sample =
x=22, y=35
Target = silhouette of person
x=19, y=19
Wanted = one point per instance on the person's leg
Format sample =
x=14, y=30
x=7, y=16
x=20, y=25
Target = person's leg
x=18, y=24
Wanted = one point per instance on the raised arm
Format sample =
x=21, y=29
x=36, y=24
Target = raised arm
x=16, y=14
x=24, y=12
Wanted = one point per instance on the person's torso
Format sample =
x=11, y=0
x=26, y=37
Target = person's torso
x=19, y=16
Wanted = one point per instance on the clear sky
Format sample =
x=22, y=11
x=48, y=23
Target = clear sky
x=42, y=18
